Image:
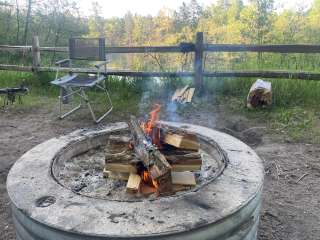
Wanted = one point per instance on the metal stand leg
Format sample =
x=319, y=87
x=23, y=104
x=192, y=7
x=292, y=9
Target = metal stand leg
x=85, y=97
x=80, y=91
x=109, y=102
x=63, y=115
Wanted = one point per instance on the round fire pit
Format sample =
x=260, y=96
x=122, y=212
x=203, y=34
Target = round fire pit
x=49, y=202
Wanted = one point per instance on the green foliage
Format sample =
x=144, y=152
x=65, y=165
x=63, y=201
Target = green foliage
x=295, y=112
x=232, y=21
x=299, y=124
x=286, y=92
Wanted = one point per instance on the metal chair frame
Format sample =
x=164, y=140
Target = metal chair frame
x=69, y=85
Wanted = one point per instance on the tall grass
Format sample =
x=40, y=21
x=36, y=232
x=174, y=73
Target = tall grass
x=127, y=94
x=286, y=92
x=295, y=112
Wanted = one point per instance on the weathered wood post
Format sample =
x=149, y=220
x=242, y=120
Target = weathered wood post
x=198, y=61
x=35, y=53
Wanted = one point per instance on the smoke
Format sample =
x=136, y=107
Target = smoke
x=156, y=91
x=171, y=111
x=150, y=91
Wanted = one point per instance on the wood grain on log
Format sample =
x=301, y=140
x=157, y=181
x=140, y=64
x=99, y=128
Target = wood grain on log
x=183, y=167
x=183, y=178
x=190, y=158
x=133, y=183
x=155, y=162
x=186, y=141
x=120, y=167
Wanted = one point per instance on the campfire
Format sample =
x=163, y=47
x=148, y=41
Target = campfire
x=153, y=159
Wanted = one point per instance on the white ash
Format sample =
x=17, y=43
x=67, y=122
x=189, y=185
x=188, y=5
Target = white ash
x=84, y=174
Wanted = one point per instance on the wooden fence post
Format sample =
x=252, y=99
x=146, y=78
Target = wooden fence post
x=198, y=61
x=35, y=53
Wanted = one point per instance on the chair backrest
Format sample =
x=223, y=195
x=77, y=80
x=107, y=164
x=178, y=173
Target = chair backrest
x=87, y=49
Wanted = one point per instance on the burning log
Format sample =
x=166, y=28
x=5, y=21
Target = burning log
x=183, y=178
x=117, y=150
x=178, y=188
x=118, y=167
x=133, y=183
x=154, y=162
x=116, y=141
x=146, y=189
x=147, y=169
x=122, y=157
x=188, y=158
x=115, y=175
x=184, y=141
x=184, y=167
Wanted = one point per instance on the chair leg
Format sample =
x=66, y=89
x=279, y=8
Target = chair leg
x=86, y=99
x=4, y=102
x=91, y=109
x=61, y=100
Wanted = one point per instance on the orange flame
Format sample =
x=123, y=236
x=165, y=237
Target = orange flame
x=150, y=127
x=145, y=176
x=148, y=180
x=154, y=117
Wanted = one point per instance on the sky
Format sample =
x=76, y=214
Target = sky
x=118, y=8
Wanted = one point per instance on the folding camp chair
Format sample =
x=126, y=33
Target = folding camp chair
x=89, y=49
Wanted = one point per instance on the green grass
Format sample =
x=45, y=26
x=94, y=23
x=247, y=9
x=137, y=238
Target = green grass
x=294, y=123
x=126, y=94
x=286, y=92
x=295, y=112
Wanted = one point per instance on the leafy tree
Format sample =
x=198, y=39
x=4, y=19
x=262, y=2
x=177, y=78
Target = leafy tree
x=96, y=22
x=188, y=15
x=257, y=20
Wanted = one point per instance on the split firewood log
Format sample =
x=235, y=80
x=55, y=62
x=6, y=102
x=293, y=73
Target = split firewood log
x=153, y=159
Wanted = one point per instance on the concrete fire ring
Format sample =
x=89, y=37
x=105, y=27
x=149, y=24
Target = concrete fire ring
x=226, y=208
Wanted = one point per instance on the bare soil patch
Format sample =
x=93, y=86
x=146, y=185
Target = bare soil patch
x=291, y=203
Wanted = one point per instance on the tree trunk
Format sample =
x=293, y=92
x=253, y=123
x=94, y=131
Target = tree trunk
x=26, y=29
x=18, y=22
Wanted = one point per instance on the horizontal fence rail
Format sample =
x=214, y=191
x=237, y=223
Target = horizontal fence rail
x=283, y=48
x=198, y=48
x=128, y=73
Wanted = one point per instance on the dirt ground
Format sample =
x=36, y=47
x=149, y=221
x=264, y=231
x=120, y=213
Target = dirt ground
x=291, y=199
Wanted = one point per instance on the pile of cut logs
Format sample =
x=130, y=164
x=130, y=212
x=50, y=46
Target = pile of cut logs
x=152, y=169
x=183, y=95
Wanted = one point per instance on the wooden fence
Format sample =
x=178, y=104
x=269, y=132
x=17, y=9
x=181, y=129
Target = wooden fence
x=198, y=48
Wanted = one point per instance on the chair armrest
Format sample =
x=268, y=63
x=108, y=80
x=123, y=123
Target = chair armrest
x=101, y=64
x=62, y=61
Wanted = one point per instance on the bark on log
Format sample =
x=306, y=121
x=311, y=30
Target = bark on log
x=184, y=160
x=117, y=150
x=140, y=142
x=153, y=159
x=125, y=156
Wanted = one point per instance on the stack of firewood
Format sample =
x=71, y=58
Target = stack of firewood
x=149, y=169
x=183, y=95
